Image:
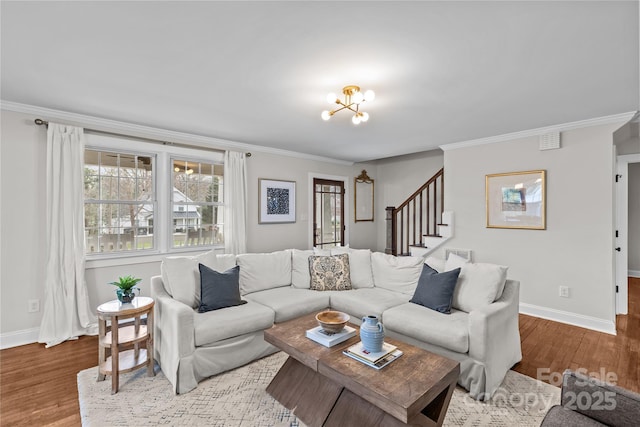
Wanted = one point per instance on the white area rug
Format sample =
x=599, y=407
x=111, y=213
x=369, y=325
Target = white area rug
x=238, y=398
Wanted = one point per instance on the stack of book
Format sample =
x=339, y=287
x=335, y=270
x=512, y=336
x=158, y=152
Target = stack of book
x=377, y=360
x=328, y=339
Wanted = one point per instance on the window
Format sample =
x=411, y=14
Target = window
x=197, y=203
x=119, y=201
x=145, y=198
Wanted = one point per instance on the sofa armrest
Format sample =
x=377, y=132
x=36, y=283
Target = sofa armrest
x=174, y=336
x=494, y=336
x=598, y=400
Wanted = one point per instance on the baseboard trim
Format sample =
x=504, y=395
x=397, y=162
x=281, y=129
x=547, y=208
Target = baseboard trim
x=16, y=338
x=634, y=273
x=588, y=322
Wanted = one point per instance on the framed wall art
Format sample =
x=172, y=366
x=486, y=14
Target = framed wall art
x=277, y=201
x=516, y=200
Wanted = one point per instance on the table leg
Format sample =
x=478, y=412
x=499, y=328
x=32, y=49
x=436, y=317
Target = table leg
x=102, y=331
x=150, y=371
x=311, y=394
x=136, y=328
x=436, y=410
x=115, y=357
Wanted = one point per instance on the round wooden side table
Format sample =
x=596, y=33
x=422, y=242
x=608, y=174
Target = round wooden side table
x=123, y=342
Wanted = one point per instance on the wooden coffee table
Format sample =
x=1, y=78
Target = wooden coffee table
x=326, y=388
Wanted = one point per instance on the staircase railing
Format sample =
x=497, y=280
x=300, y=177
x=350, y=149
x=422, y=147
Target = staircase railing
x=416, y=217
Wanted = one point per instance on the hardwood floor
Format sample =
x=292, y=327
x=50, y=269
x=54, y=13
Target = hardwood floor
x=557, y=346
x=38, y=385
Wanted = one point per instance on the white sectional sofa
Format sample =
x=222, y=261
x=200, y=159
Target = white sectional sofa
x=481, y=332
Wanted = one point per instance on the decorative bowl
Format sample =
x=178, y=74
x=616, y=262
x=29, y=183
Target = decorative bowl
x=332, y=321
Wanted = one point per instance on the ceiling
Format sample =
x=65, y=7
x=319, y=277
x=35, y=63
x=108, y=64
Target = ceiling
x=259, y=72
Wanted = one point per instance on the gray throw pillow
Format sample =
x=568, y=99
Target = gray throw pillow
x=435, y=290
x=219, y=290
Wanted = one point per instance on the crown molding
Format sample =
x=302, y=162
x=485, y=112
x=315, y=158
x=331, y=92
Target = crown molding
x=624, y=117
x=148, y=132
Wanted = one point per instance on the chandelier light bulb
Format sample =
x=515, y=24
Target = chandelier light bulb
x=353, y=97
x=177, y=169
x=369, y=95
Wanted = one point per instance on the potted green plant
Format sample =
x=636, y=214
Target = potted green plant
x=126, y=285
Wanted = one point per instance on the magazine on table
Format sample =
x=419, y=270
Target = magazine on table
x=359, y=351
x=378, y=364
x=329, y=339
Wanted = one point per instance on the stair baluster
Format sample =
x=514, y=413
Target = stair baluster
x=413, y=222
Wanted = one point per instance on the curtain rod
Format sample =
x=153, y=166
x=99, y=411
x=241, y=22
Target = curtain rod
x=41, y=122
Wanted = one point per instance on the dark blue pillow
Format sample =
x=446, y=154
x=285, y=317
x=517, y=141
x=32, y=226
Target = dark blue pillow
x=435, y=290
x=219, y=290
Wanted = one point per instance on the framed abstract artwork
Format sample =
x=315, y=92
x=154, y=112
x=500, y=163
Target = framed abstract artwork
x=277, y=201
x=516, y=200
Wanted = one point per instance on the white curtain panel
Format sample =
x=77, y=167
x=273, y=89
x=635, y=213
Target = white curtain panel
x=67, y=313
x=235, y=200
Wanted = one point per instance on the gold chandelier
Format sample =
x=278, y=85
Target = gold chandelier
x=353, y=97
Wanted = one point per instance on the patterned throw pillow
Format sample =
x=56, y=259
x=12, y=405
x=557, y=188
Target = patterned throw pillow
x=329, y=273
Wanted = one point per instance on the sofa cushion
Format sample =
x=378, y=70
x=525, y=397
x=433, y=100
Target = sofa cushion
x=289, y=302
x=435, y=290
x=181, y=276
x=322, y=251
x=217, y=325
x=450, y=331
x=559, y=416
x=219, y=290
x=300, y=277
x=398, y=274
x=367, y=301
x=359, y=266
x=620, y=407
x=478, y=284
x=329, y=273
x=264, y=271
x=438, y=264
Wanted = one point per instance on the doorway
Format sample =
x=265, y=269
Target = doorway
x=329, y=223
x=626, y=236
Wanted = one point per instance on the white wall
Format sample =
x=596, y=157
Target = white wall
x=23, y=147
x=634, y=217
x=22, y=226
x=575, y=250
x=398, y=178
x=269, y=237
x=626, y=139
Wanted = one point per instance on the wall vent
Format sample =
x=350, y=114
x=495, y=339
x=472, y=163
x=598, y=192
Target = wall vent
x=550, y=141
x=463, y=253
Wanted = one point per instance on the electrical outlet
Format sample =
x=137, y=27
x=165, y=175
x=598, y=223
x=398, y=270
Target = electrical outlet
x=564, y=291
x=34, y=305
